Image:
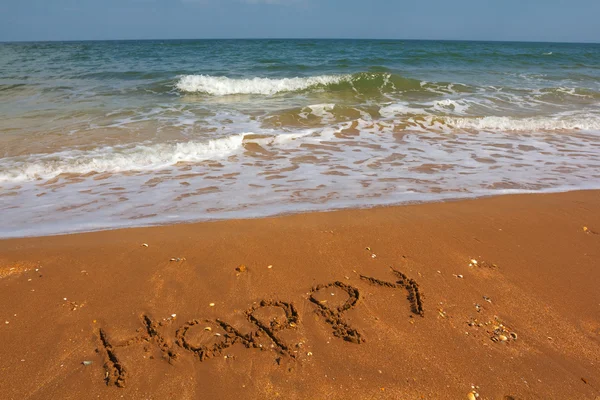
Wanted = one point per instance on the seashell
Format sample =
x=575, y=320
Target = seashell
x=471, y=396
x=502, y=338
x=208, y=328
x=513, y=335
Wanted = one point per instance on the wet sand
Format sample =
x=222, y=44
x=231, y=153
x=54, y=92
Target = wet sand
x=495, y=296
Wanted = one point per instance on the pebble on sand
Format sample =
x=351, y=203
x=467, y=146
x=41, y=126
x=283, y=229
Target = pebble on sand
x=241, y=268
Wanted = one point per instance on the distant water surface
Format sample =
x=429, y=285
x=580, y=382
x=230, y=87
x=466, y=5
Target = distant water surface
x=98, y=135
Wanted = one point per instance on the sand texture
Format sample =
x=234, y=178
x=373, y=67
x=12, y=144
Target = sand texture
x=495, y=297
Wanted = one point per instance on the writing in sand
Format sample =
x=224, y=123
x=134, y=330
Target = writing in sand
x=208, y=338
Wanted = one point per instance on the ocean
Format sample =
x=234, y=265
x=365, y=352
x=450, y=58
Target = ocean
x=108, y=134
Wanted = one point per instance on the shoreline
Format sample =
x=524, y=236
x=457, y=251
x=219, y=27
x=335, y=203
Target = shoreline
x=283, y=214
x=495, y=296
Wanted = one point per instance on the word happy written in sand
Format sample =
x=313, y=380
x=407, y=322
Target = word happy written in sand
x=269, y=329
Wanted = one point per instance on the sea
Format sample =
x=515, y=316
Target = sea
x=108, y=134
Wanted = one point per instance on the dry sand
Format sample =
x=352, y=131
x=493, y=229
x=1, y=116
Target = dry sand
x=523, y=322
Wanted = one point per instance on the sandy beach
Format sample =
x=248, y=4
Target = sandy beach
x=493, y=298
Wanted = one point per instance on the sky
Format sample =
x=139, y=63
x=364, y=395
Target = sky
x=519, y=20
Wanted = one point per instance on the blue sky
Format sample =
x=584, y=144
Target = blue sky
x=530, y=20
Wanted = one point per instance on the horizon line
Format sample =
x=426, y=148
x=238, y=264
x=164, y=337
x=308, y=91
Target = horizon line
x=296, y=38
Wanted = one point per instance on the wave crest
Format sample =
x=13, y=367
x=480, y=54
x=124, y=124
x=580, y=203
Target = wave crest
x=361, y=83
x=222, y=85
x=114, y=159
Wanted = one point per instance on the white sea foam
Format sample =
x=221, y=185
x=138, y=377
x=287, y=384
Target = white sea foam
x=398, y=109
x=115, y=159
x=505, y=124
x=308, y=169
x=431, y=115
x=458, y=107
x=321, y=110
x=222, y=85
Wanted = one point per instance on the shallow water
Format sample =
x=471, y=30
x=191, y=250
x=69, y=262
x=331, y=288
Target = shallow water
x=98, y=135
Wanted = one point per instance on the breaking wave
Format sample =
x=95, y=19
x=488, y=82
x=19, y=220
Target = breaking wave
x=507, y=124
x=358, y=83
x=222, y=85
x=115, y=159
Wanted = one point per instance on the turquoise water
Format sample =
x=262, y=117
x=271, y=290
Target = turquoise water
x=98, y=135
